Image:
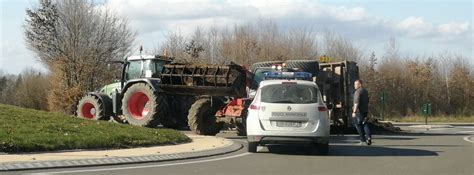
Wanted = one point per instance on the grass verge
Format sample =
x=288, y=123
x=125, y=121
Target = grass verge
x=440, y=119
x=28, y=130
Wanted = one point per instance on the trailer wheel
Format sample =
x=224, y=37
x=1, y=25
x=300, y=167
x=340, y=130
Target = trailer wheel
x=201, y=117
x=310, y=66
x=90, y=108
x=179, y=110
x=142, y=106
x=256, y=65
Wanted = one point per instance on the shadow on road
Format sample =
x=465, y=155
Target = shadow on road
x=356, y=150
x=352, y=150
x=395, y=138
x=426, y=145
x=355, y=139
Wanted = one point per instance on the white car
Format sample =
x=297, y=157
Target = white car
x=288, y=112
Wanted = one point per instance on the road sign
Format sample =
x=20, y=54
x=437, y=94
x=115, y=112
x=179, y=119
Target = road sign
x=383, y=97
x=426, y=111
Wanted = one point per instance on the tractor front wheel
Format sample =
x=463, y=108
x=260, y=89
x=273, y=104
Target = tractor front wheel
x=90, y=108
x=142, y=106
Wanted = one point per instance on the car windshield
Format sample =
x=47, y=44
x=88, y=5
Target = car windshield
x=289, y=93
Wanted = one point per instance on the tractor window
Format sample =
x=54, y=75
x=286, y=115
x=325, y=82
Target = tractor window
x=156, y=66
x=134, y=70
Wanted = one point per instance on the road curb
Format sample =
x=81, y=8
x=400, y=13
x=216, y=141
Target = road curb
x=432, y=123
x=430, y=126
x=15, y=166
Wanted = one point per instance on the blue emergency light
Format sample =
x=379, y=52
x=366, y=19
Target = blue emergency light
x=288, y=75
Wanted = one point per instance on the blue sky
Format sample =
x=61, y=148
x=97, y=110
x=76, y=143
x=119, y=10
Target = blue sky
x=424, y=27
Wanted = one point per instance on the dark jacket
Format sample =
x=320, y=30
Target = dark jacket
x=361, y=97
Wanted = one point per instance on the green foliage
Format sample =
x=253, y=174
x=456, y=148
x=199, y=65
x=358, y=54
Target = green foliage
x=27, y=130
x=412, y=82
x=28, y=89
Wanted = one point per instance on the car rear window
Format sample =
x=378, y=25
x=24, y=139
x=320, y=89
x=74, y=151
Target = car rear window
x=289, y=93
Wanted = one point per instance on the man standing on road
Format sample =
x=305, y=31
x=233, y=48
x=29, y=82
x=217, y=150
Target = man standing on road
x=360, y=111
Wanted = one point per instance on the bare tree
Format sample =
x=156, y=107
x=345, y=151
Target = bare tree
x=460, y=81
x=75, y=39
x=303, y=44
x=339, y=48
x=32, y=90
x=174, y=46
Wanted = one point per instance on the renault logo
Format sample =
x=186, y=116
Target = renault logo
x=289, y=108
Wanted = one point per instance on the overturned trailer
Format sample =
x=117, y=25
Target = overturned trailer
x=336, y=82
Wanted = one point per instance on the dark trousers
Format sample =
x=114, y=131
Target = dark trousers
x=363, y=128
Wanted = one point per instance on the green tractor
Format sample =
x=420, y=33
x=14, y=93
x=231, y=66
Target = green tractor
x=153, y=90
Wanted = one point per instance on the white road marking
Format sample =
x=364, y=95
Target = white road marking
x=143, y=166
x=465, y=131
x=467, y=138
x=439, y=129
x=466, y=127
x=393, y=136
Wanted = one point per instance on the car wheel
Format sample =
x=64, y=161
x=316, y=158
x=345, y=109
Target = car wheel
x=320, y=149
x=252, y=147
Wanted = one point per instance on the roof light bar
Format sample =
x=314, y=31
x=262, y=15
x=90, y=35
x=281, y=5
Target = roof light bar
x=287, y=75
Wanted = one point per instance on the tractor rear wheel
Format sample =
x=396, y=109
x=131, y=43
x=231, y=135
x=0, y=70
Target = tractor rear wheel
x=201, y=117
x=91, y=108
x=142, y=106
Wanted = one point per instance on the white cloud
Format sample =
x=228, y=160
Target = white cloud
x=149, y=16
x=158, y=17
x=152, y=15
x=348, y=14
x=453, y=28
x=415, y=26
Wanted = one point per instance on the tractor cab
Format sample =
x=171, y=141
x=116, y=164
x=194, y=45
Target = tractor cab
x=144, y=66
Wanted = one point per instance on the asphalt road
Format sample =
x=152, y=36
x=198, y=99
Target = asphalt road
x=439, y=151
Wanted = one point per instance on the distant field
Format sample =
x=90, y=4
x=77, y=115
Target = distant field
x=27, y=130
x=445, y=119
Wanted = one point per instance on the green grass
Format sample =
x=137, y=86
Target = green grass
x=440, y=119
x=27, y=130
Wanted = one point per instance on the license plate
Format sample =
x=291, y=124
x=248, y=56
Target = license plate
x=288, y=124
